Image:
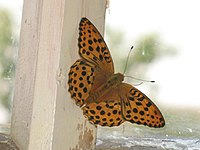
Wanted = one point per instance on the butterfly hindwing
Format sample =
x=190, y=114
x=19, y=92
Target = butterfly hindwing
x=104, y=113
x=81, y=78
x=124, y=103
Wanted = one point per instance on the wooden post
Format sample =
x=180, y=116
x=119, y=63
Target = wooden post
x=44, y=116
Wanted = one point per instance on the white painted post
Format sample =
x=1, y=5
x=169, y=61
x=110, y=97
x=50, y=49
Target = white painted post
x=44, y=116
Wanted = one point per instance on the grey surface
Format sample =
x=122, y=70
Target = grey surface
x=131, y=143
x=6, y=143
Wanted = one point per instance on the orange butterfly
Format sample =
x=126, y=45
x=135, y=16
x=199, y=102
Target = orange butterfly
x=102, y=95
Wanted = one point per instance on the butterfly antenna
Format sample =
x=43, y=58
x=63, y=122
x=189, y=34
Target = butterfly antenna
x=140, y=79
x=138, y=84
x=127, y=59
x=131, y=76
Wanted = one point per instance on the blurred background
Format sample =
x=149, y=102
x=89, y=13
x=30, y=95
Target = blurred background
x=166, y=40
x=10, y=19
x=165, y=36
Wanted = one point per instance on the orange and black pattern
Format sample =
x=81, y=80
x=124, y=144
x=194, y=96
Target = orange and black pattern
x=102, y=95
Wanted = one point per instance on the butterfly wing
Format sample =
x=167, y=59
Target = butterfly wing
x=81, y=78
x=93, y=49
x=138, y=108
x=120, y=103
x=124, y=103
x=96, y=63
x=105, y=113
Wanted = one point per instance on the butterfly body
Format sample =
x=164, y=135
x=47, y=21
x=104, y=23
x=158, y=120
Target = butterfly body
x=102, y=95
x=111, y=83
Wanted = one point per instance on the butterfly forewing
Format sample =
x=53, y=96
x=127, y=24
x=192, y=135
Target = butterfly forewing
x=138, y=108
x=93, y=48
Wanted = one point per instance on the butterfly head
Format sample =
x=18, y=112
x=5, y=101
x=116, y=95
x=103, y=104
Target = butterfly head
x=119, y=77
x=114, y=80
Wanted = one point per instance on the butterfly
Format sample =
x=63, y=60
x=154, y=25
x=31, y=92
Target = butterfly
x=103, y=96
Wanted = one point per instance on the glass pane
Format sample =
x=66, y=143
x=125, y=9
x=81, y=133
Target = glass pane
x=165, y=36
x=10, y=19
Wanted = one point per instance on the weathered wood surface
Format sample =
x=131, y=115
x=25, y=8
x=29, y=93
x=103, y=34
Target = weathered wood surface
x=44, y=115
